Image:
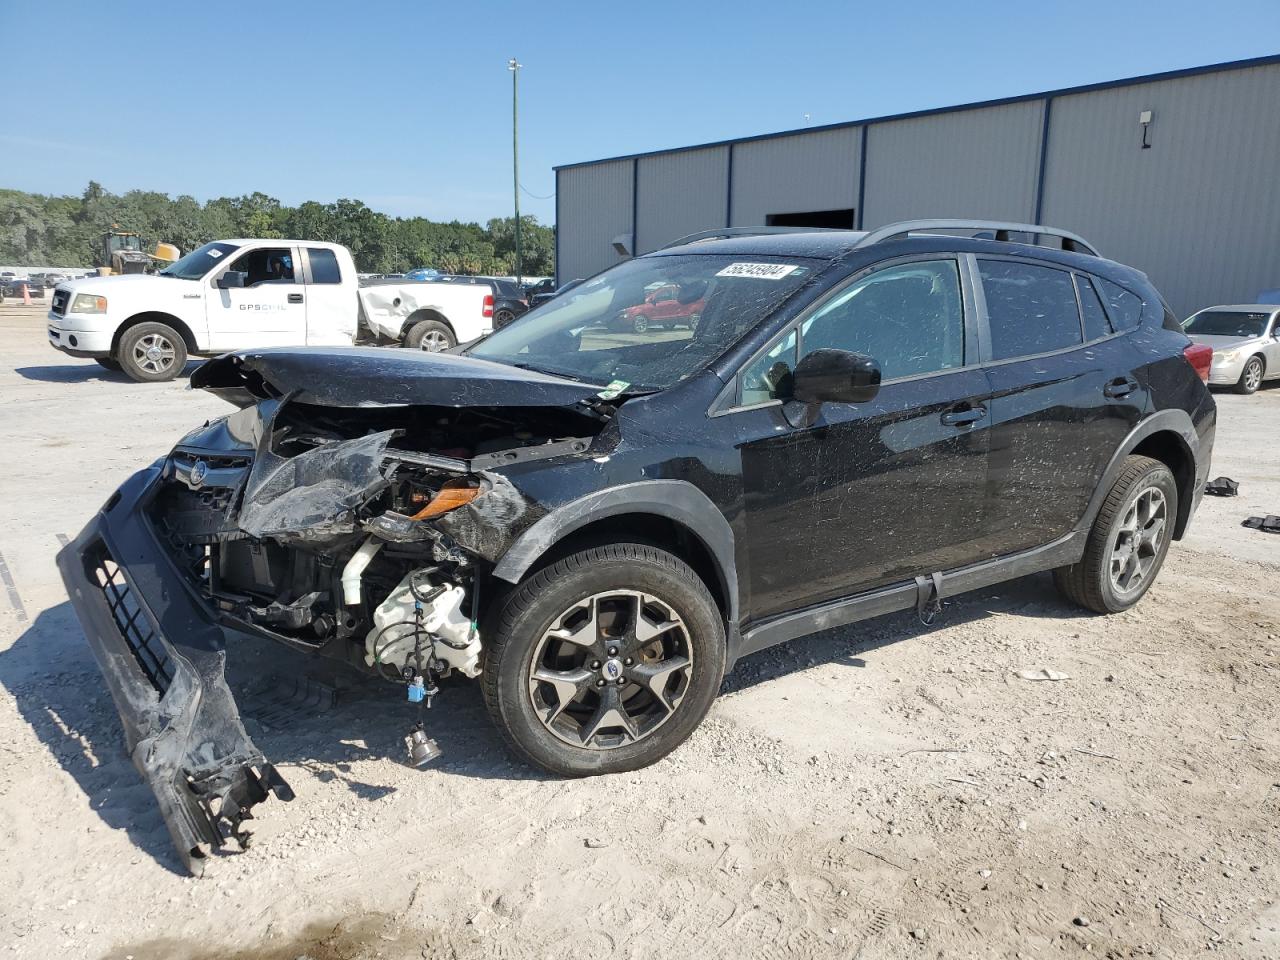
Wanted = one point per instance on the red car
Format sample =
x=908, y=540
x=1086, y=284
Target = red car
x=661, y=308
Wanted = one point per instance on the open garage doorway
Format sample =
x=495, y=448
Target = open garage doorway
x=837, y=219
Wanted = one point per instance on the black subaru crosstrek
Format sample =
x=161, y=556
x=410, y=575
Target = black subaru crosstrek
x=598, y=524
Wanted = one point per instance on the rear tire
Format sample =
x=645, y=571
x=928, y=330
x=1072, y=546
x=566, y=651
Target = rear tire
x=1251, y=376
x=431, y=336
x=152, y=353
x=1128, y=541
x=645, y=660
x=108, y=364
x=502, y=318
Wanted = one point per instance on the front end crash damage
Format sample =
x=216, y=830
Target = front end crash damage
x=355, y=519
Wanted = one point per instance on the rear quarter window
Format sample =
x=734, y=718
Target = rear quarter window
x=324, y=265
x=1123, y=307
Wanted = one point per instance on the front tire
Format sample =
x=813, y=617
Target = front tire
x=1251, y=376
x=604, y=661
x=640, y=324
x=152, y=353
x=502, y=318
x=1128, y=541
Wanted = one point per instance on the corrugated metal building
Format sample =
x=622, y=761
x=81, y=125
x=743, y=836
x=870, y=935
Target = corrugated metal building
x=1192, y=196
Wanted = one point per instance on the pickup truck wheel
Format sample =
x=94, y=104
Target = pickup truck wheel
x=1128, y=541
x=107, y=363
x=152, y=353
x=604, y=661
x=429, y=335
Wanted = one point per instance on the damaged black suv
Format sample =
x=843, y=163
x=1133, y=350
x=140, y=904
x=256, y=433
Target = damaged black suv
x=596, y=523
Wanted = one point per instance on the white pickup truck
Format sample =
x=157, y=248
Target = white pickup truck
x=241, y=294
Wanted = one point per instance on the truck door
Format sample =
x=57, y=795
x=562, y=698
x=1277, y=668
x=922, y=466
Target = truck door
x=331, y=299
x=269, y=310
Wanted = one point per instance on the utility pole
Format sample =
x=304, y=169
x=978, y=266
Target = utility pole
x=514, y=66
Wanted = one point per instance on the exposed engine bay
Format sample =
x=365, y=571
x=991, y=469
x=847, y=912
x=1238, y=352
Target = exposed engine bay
x=320, y=527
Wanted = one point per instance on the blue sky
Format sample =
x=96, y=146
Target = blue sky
x=407, y=106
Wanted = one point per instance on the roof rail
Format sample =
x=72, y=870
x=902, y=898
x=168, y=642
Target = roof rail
x=1070, y=241
x=723, y=232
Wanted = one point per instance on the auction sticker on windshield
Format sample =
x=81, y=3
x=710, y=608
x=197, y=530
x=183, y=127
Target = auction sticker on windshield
x=759, y=271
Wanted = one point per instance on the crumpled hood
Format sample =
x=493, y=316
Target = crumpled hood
x=381, y=377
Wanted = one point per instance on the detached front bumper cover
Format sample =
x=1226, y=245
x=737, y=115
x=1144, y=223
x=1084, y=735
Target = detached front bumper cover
x=163, y=657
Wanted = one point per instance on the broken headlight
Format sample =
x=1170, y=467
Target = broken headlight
x=449, y=497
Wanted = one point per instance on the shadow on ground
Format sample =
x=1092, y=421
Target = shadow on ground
x=319, y=717
x=86, y=372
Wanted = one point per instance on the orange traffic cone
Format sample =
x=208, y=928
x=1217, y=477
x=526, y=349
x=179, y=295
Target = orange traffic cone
x=26, y=296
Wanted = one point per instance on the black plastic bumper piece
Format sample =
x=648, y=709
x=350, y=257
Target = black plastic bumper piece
x=163, y=655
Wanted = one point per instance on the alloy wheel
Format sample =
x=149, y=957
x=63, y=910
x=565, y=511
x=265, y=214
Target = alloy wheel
x=433, y=341
x=1135, y=548
x=611, y=669
x=1253, y=375
x=154, y=352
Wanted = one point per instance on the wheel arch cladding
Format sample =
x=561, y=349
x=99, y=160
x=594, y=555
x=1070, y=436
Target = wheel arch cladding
x=155, y=316
x=658, y=512
x=425, y=313
x=1167, y=436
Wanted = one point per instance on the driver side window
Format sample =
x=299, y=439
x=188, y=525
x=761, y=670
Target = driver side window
x=908, y=318
x=265, y=265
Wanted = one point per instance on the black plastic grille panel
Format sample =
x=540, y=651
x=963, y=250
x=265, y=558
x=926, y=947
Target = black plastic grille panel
x=147, y=648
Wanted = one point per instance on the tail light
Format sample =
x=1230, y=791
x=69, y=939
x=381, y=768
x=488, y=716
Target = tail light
x=488, y=307
x=1200, y=356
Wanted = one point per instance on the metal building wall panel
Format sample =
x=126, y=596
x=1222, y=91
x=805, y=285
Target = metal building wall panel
x=678, y=194
x=593, y=207
x=970, y=163
x=1199, y=211
x=797, y=174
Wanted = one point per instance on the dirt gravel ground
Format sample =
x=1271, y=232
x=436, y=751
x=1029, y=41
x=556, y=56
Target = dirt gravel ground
x=884, y=791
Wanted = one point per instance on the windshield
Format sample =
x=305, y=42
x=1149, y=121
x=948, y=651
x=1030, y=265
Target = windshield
x=1227, y=323
x=649, y=322
x=199, y=261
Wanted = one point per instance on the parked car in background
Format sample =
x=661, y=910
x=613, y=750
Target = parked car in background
x=252, y=293
x=597, y=529
x=1245, y=340
x=549, y=294
x=544, y=286
x=664, y=306
x=13, y=287
x=422, y=273
x=509, y=301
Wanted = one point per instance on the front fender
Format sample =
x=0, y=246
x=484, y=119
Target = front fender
x=675, y=500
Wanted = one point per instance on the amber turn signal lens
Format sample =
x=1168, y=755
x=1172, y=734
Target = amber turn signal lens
x=451, y=496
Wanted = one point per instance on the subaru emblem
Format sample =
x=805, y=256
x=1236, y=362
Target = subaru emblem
x=198, y=472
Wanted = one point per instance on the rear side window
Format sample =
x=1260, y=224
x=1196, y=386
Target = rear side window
x=1031, y=309
x=324, y=265
x=1092, y=313
x=1123, y=307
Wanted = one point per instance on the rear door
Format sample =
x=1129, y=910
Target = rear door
x=1066, y=390
x=268, y=311
x=1271, y=349
x=330, y=298
x=873, y=493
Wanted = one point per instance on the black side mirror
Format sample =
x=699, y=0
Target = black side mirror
x=836, y=376
x=232, y=278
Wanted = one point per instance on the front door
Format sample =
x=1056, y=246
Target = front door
x=874, y=493
x=270, y=310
